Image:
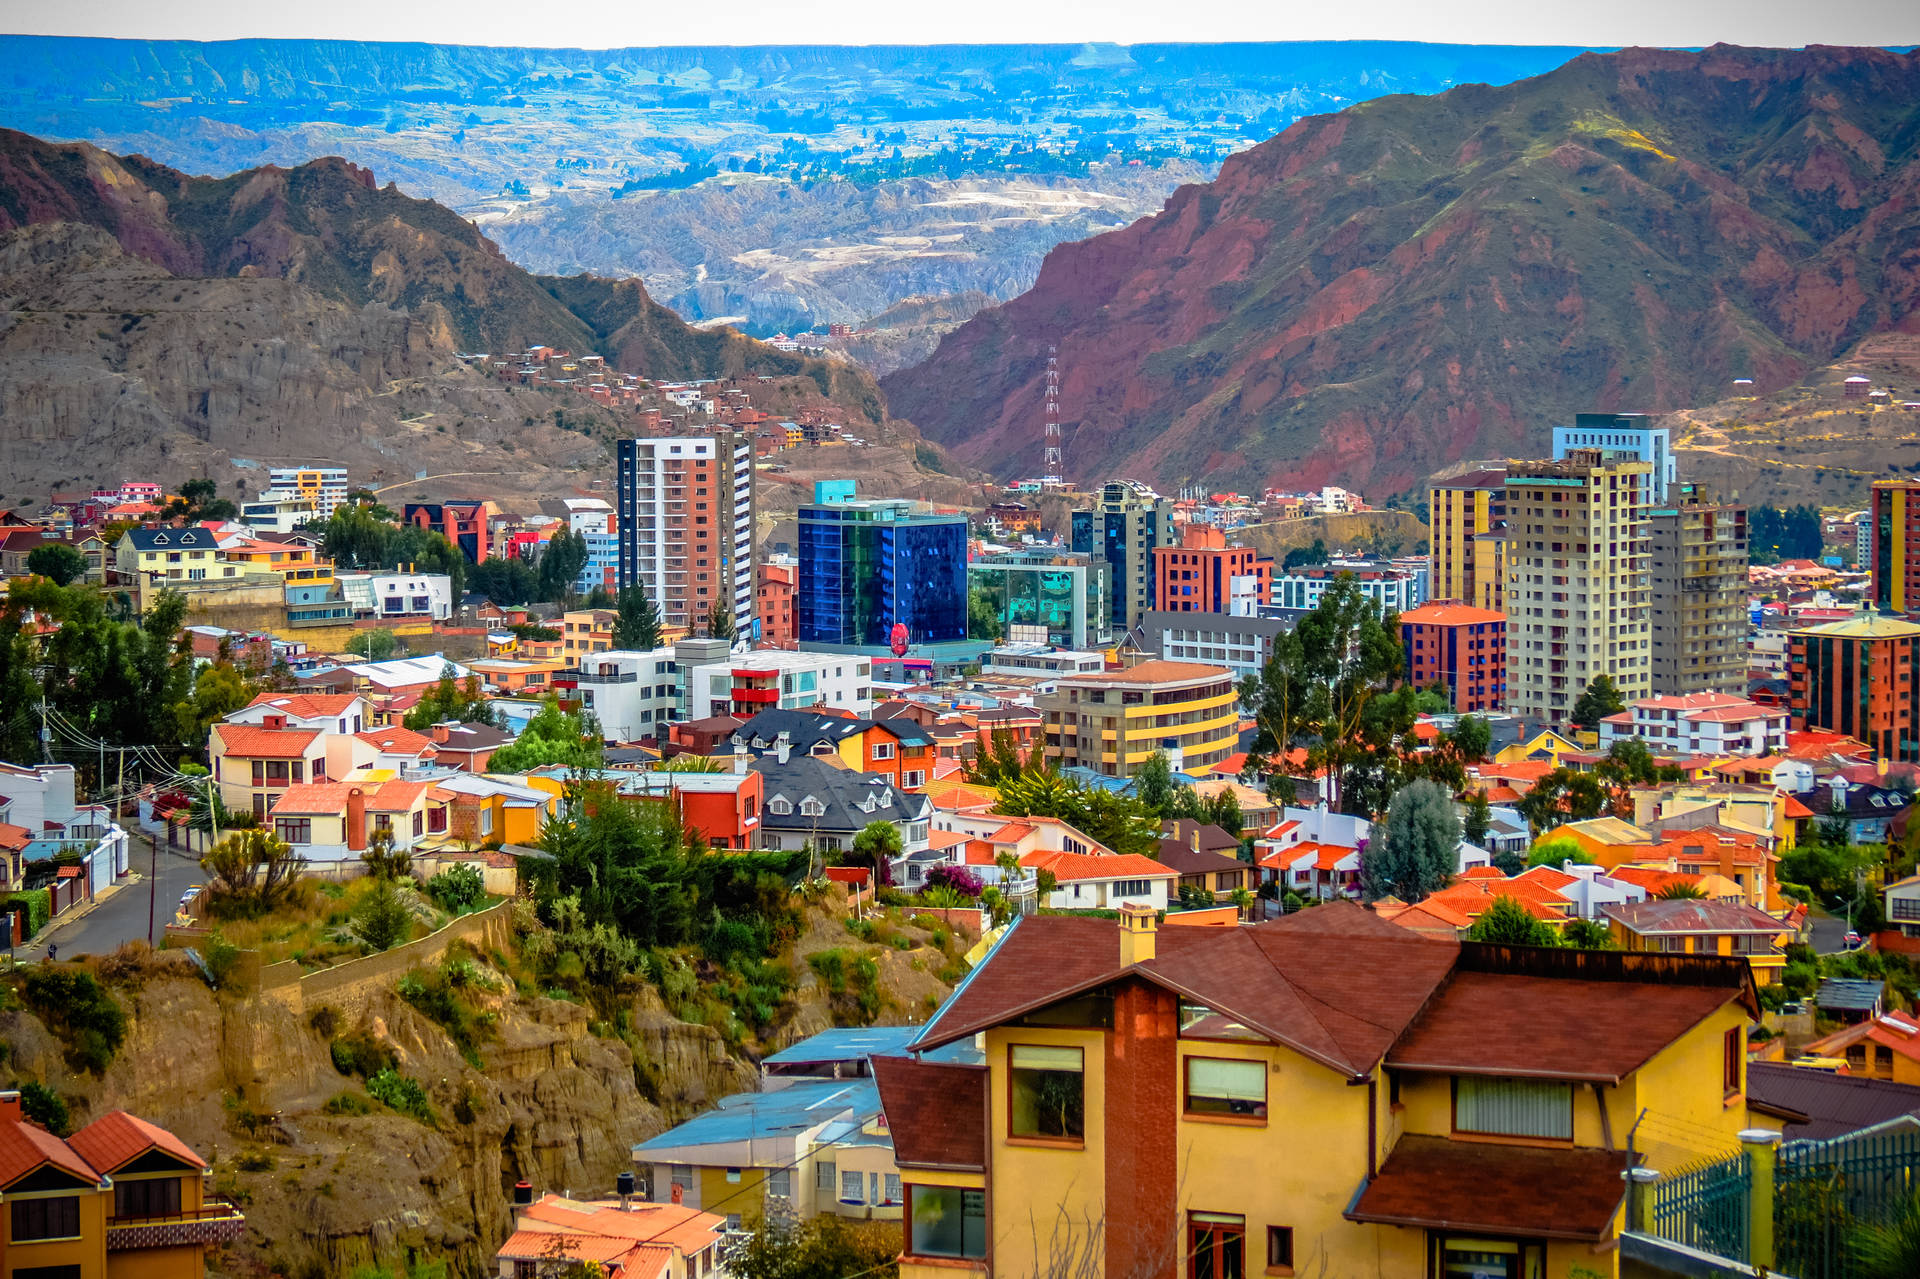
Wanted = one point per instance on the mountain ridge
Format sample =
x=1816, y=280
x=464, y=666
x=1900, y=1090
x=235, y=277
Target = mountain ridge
x=1375, y=293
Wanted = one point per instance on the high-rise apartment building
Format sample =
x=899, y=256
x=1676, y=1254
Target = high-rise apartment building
x=685, y=525
x=1893, y=554
x=1578, y=581
x=324, y=486
x=1127, y=522
x=1860, y=677
x=1048, y=596
x=1114, y=721
x=1632, y=433
x=1698, y=552
x=1202, y=574
x=1461, y=647
x=1468, y=518
x=868, y=566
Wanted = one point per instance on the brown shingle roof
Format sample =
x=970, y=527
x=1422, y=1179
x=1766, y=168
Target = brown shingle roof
x=1496, y=1189
x=1175, y=855
x=941, y=1109
x=1684, y=915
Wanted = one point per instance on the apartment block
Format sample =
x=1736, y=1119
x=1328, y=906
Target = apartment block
x=1113, y=722
x=685, y=526
x=1860, y=677
x=1468, y=518
x=1578, y=581
x=1243, y=644
x=1127, y=522
x=1202, y=574
x=1460, y=646
x=465, y=524
x=1048, y=596
x=1699, y=595
x=867, y=567
x=324, y=486
x=1629, y=433
x=1393, y=585
x=1893, y=545
x=773, y=602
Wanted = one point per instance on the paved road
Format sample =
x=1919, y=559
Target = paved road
x=1829, y=931
x=122, y=916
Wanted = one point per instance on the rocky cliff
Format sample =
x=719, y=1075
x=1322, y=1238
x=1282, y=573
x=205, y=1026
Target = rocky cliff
x=1374, y=294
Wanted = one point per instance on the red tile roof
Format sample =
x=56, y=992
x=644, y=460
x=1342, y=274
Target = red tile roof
x=398, y=741
x=117, y=1138
x=1071, y=867
x=1479, y=1187
x=14, y=838
x=307, y=705
x=26, y=1146
x=941, y=1110
x=1448, y=613
x=250, y=741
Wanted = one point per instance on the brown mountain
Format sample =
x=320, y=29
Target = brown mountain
x=187, y=325
x=1374, y=294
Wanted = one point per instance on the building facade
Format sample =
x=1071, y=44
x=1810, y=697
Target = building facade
x=1699, y=724
x=869, y=566
x=1577, y=581
x=1202, y=574
x=1127, y=522
x=1113, y=722
x=1063, y=598
x=1893, y=545
x=1460, y=646
x=1860, y=677
x=684, y=509
x=1467, y=563
x=1242, y=644
x=324, y=486
x=747, y=683
x=773, y=603
x=1393, y=587
x=1631, y=433
x=465, y=524
x=1698, y=555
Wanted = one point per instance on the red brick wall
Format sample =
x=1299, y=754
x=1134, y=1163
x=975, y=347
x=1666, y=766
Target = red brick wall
x=1142, y=1109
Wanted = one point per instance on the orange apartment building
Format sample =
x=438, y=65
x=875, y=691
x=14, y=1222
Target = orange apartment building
x=462, y=523
x=685, y=520
x=773, y=601
x=1197, y=576
x=1859, y=677
x=1462, y=647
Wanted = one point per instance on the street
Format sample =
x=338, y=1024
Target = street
x=1828, y=932
x=122, y=915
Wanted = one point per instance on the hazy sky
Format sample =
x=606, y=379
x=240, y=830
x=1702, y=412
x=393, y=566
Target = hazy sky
x=607, y=23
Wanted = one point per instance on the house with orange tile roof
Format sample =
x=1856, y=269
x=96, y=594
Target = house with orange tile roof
x=121, y=1197
x=1886, y=1046
x=1679, y=926
x=1096, y=881
x=623, y=1238
x=318, y=712
x=1718, y=724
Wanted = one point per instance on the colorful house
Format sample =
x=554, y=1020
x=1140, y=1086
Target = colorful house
x=1687, y=926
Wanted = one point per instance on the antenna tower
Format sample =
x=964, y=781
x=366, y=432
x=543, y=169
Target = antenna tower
x=1051, y=427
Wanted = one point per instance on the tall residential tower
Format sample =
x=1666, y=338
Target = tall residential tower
x=686, y=526
x=1127, y=522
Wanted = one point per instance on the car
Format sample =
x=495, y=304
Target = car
x=1852, y=939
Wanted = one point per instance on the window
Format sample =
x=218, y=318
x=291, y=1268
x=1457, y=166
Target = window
x=45, y=1272
x=158, y=1197
x=1049, y=1099
x=948, y=1221
x=294, y=830
x=1279, y=1247
x=57, y=1217
x=851, y=1184
x=1216, y=1246
x=1218, y=1086
x=883, y=750
x=780, y=806
x=437, y=820
x=780, y=1183
x=823, y=1175
x=1513, y=1107
x=1735, y=1051
x=419, y=822
x=1488, y=1259
x=892, y=1192
x=811, y=807
x=733, y=1222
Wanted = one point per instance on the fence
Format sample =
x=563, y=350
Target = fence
x=1816, y=1197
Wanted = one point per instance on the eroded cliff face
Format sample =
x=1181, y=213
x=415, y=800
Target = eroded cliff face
x=246, y=1082
x=1373, y=295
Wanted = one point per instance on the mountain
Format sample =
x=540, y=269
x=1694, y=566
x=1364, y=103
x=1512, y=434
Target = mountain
x=199, y=325
x=1377, y=293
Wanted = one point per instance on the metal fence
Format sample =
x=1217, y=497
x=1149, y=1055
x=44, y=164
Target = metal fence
x=1704, y=1206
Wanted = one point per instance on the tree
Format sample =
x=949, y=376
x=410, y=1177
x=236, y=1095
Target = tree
x=383, y=860
x=985, y=613
x=1586, y=934
x=1302, y=556
x=1471, y=738
x=552, y=736
x=1507, y=861
x=1478, y=819
x=720, y=620
x=1564, y=796
x=600, y=597
x=219, y=689
x=1600, y=698
x=451, y=701
x=877, y=844
x=376, y=645
x=1557, y=852
x=1505, y=922
x=822, y=1247
x=1222, y=808
x=507, y=580
x=637, y=624
x=688, y=762
x=57, y=562
x=198, y=501
x=1121, y=822
x=996, y=759
x=1680, y=890
x=1416, y=850
x=561, y=564
x=251, y=873
x=383, y=920
x=1153, y=782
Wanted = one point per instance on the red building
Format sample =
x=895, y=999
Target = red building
x=722, y=808
x=773, y=601
x=462, y=523
x=1859, y=677
x=1463, y=647
x=1197, y=576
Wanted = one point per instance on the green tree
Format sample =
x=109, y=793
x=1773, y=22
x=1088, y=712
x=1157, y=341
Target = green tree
x=1888, y=1249
x=1680, y=890
x=1564, y=796
x=877, y=844
x=600, y=597
x=1121, y=822
x=1153, y=783
x=1600, y=699
x=720, y=620
x=198, y=501
x=1416, y=850
x=552, y=736
x=383, y=919
x=1223, y=810
x=1505, y=922
x=507, y=580
x=561, y=564
x=451, y=700
x=985, y=612
x=376, y=645
x=822, y=1247
x=637, y=626
x=1478, y=819
x=1471, y=738
x=251, y=873
x=1304, y=556
x=1557, y=852
x=1586, y=934
x=383, y=860
x=57, y=562
x=219, y=689
x=996, y=759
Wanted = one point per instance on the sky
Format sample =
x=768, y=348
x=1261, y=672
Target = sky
x=615, y=23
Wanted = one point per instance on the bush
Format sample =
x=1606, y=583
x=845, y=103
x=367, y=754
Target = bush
x=359, y=1053
x=45, y=1107
x=39, y=906
x=79, y=1011
x=348, y=1103
x=401, y=1093
x=457, y=888
x=383, y=920
x=958, y=878
x=220, y=955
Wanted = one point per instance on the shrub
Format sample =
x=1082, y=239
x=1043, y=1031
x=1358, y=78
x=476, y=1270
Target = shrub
x=383, y=920
x=958, y=878
x=348, y=1103
x=45, y=1107
x=39, y=906
x=359, y=1053
x=401, y=1093
x=457, y=888
x=254, y=1161
x=325, y=1019
x=221, y=956
x=79, y=1011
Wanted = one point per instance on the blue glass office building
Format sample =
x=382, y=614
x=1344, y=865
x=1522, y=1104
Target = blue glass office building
x=866, y=566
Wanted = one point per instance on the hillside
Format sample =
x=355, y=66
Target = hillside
x=1374, y=294
x=173, y=322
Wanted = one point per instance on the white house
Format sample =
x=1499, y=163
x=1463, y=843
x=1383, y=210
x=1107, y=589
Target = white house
x=747, y=683
x=1593, y=889
x=632, y=694
x=396, y=595
x=1091, y=881
x=1699, y=724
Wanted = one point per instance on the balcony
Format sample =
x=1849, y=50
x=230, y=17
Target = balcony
x=218, y=1222
x=606, y=677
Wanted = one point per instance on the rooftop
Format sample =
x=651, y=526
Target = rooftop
x=1469, y=1186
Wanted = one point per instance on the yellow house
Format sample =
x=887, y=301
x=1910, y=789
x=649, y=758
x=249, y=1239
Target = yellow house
x=1685, y=926
x=1326, y=1094
x=120, y=1199
x=1608, y=840
x=586, y=630
x=183, y=554
x=1546, y=744
x=291, y=560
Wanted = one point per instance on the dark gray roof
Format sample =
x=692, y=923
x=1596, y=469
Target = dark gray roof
x=851, y=799
x=173, y=539
x=1844, y=994
x=1181, y=859
x=1834, y=1105
x=804, y=729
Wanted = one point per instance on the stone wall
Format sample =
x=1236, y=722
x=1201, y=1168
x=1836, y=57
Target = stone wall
x=347, y=987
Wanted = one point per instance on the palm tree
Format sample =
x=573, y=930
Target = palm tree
x=1680, y=890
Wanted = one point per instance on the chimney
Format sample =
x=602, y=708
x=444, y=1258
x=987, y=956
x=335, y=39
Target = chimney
x=356, y=820
x=522, y=1193
x=783, y=747
x=623, y=1186
x=441, y=733
x=10, y=1111
x=739, y=759
x=273, y=721
x=1138, y=928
